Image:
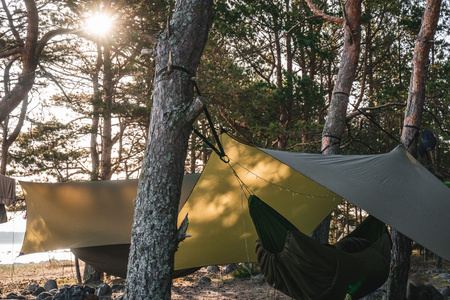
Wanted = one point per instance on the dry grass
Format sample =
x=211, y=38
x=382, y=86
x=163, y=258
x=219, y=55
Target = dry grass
x=420, y=267
x=18, y=277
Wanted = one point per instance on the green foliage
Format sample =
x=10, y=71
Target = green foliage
x=268, y=72
x=50, y=150
x=411, y=17
x=245, y=271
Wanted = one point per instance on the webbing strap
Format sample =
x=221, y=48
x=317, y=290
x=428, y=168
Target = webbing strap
x=219, y=151
x=163, y=70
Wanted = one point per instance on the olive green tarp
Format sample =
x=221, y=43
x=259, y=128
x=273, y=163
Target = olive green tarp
x=113, y=259
x=304, y=188
x=304, y=269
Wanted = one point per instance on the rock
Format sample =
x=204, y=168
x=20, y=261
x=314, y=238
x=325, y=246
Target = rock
x=434, y=271
x=230, y=268
x=38, y=291
x=423, y=292
x=103, y=290
x=14, y=296
x=50, y=285
x=53, y=292
x=446, y=293
x=72, y=293
x=33, y=287
x=88, y=290
x=25, y=293
x=257, y=277
x=212, y=269
x=444, y=275
x=204, y=280
x=116, y=288
x=91, y=297
x=44, y=296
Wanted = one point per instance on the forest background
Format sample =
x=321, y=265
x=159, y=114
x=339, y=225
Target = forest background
x=268, y=72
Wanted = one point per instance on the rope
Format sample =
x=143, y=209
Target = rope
x=244, y=190
x=12, y=249
x=243, y=186
x=332, y=136
x=219, y=151
x=166, y=69
x=332, y=144
x=294, y=193
x=412, y=126
x=245, y=233
x=376, y=124
x=416, y=134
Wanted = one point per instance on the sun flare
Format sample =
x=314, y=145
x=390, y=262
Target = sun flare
x=99, y=24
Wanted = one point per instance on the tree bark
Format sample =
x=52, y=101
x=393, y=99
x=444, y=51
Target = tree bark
x=108, y=87
x=335, y=122
x=401, y=249
x=96, y=100
x=7, y=141
x=92, y=275
x=153, y=241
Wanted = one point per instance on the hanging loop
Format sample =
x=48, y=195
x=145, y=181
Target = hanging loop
x=225, y=159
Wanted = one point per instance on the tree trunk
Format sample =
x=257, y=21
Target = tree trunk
x=193, y=156
x=335, y=122
x=92, y=275
x=96, y=100
x=29, y=61
x=154, y=235
x=77, y=269
x=8, y=141
x=108, y=89
x=401, y=249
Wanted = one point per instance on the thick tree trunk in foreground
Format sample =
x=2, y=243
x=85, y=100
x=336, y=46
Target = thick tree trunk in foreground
x=154, y=234
x=335, y=123
x=401, y=251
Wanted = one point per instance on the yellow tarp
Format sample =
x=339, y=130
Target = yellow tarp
x=71, y=215
x=82, y=214
x=218, y=209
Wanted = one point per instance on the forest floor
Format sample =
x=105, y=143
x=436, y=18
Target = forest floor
x=222, y=286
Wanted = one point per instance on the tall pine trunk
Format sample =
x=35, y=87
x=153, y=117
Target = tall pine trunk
x=335, y=122
x=401, y=250
x=154, y=233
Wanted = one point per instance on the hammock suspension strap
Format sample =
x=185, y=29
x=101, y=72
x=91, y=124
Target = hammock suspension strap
x=375, y=123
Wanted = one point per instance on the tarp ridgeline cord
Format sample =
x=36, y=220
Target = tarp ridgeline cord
x=376, y=124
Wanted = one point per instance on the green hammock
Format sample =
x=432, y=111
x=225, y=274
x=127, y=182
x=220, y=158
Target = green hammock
x=302, y=268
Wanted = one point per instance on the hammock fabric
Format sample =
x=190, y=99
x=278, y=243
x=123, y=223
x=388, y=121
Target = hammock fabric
x=302, y=268
x=113, y=259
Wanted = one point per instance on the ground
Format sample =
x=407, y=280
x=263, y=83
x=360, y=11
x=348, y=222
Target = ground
x=223, y=286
